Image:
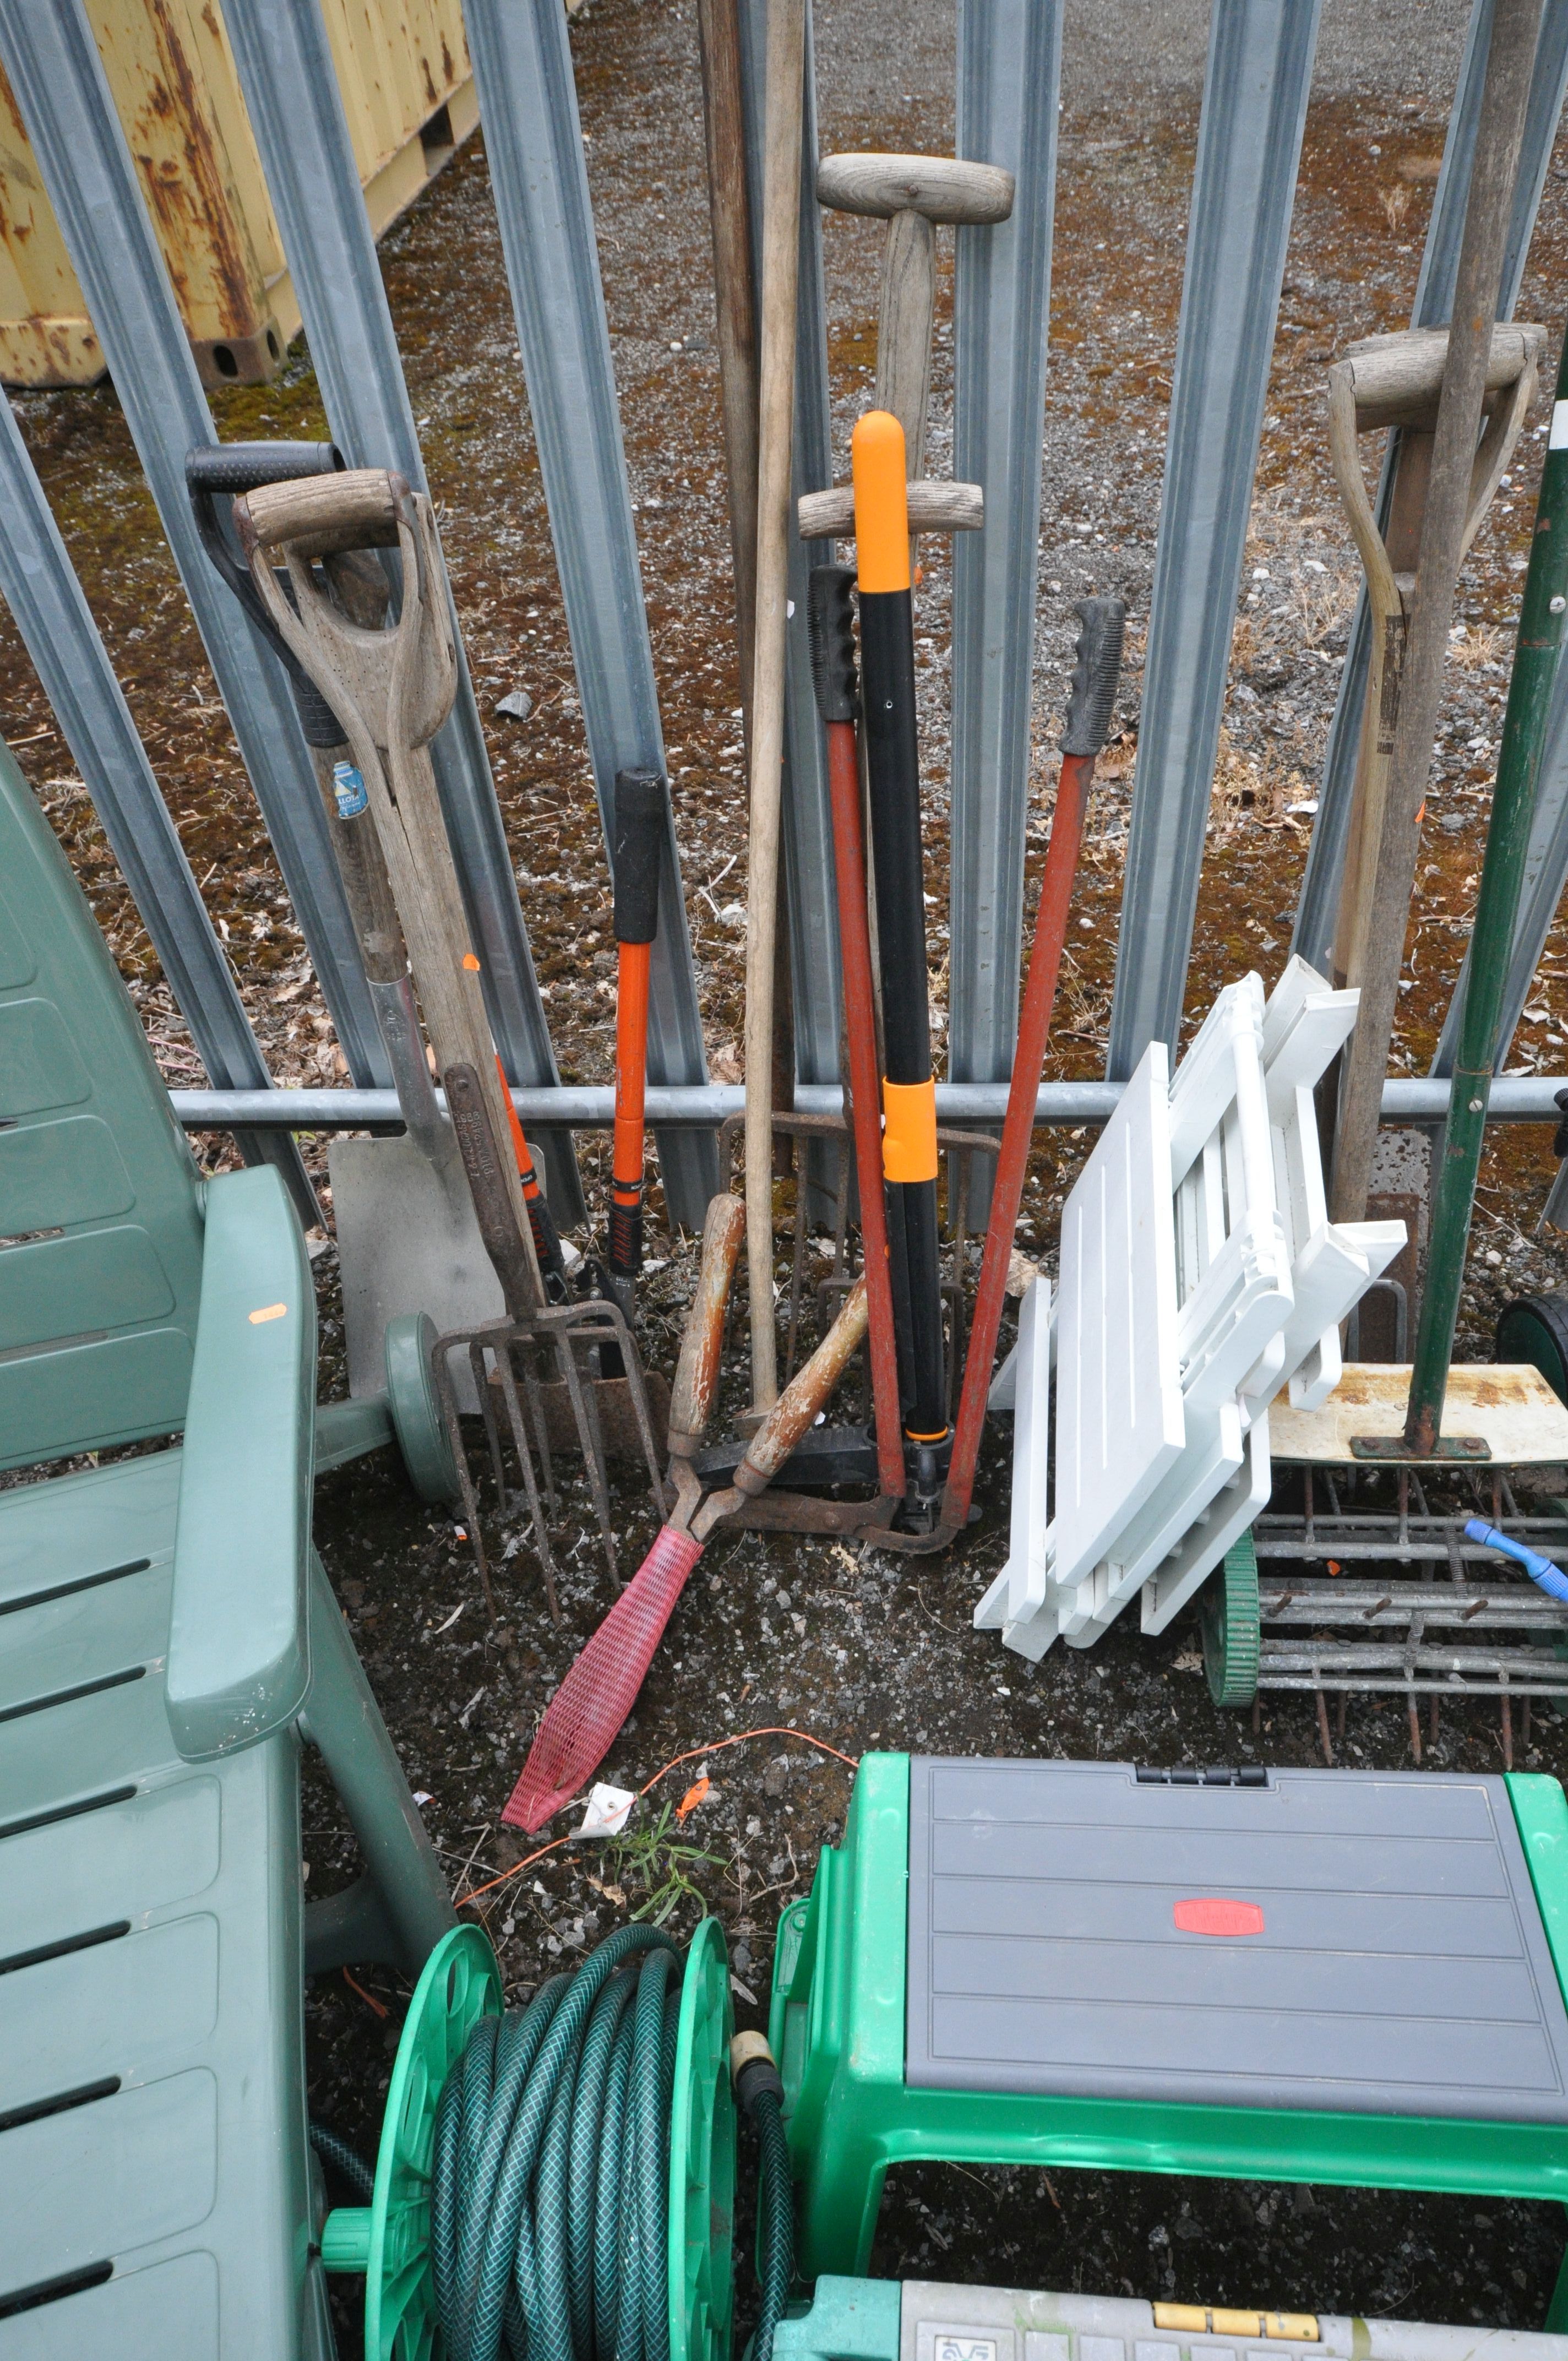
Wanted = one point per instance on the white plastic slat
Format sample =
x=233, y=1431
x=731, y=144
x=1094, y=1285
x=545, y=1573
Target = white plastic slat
x=1021, y=1584
x=1231, y=1515
x=1119, y=1416
x=1215, y=1452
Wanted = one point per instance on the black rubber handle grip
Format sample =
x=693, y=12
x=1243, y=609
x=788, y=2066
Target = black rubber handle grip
x=641, y=821
x=831, y=628
x=217, y=470
x=234, y=468
x=1094, y=691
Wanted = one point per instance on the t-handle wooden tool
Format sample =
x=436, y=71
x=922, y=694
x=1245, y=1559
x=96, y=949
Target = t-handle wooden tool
x=1089, y=705
x=911, y=194
x=1395, y=381
x=909, y=1090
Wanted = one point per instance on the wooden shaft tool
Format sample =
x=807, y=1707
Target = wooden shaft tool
x=781, y=251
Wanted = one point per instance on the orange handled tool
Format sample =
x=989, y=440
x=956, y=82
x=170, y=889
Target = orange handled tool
x=641, y=826
x=541, y=1220
x=909, y=1091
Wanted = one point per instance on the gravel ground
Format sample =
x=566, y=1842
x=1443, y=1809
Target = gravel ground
x=852, y=1646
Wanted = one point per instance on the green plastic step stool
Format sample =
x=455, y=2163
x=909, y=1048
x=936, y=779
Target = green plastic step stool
x=1283, y=1975
x=166, y=1640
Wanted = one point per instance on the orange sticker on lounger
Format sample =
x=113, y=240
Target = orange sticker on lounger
x=267, y=1311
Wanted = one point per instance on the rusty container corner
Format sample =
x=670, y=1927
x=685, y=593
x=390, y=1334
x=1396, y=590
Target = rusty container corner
x=408, y=93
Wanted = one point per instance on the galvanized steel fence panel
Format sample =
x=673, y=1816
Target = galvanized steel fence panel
x=53, y=66
x=50, y=611
x=1009, y=65
x=1249, y=145
x=1314, y=928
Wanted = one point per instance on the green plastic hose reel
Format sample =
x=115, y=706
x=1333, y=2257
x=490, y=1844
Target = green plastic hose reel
x=1230, y=1622
x=389, y=2240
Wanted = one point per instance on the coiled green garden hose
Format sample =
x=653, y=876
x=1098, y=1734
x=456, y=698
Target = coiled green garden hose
x=557, y=2183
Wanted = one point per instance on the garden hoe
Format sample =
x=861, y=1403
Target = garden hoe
x=392, y=688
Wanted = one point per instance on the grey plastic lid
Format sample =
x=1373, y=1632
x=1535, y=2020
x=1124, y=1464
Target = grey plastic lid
x=1066, y=1937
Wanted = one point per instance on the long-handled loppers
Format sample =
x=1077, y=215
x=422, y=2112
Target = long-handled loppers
x=586, y=1713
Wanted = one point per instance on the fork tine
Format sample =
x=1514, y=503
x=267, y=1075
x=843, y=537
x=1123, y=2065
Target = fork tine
x=448, y=1401
x=590, y=1436
x=487, y=1412
x=520, y=1439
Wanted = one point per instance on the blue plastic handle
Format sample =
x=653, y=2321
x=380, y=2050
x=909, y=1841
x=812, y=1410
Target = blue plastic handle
x=1551, y=1578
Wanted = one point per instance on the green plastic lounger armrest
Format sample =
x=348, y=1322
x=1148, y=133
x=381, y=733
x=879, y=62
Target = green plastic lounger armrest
x=238, y=1652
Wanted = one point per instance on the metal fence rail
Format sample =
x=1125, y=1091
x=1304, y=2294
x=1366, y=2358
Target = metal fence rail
x=591, y=1105
x=46, y=600
x=52, y=62
x=1314, y=928
x=1009, y=65
x=1249, y=145
x=528, y=104
x=292, y=94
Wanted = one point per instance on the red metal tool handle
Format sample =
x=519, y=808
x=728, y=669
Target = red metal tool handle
x=1089, y=720
x=833, y=675
x=860, y=1024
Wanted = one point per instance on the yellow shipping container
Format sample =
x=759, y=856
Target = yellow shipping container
x=407, y=91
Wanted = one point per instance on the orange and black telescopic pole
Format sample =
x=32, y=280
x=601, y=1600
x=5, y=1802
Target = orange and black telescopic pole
x=640, y=824
x=1093, y=696
x=909, y=1091
x=832, y=629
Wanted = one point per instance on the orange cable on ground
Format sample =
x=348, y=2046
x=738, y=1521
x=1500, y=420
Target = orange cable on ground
x=717, y=1746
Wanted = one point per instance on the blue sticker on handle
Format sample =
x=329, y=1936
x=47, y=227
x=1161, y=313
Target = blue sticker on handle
x=350, y=790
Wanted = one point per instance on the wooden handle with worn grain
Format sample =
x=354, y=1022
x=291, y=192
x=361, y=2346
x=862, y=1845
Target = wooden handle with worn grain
x=316, y=515
x=933, y=508
x=1397, y=378
x=943, y=188
x=794, y=1412
x=696, y=1371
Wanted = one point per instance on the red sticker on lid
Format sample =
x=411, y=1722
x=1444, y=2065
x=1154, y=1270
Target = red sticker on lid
x=1212, y=1914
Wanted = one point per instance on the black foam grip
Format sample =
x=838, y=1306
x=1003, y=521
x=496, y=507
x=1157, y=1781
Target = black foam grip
x=319, y=723
x=234, y=467
x=625, y=1240
x=639, y=825
x=546, y=1237
x=830, y=627
x=1094, y=691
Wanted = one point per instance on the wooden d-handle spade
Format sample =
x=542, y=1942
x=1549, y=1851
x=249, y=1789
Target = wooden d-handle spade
x=391, y=689
x=1396, y=381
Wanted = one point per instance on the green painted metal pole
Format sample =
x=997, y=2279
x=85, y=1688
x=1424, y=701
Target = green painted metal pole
x=1508, y=837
